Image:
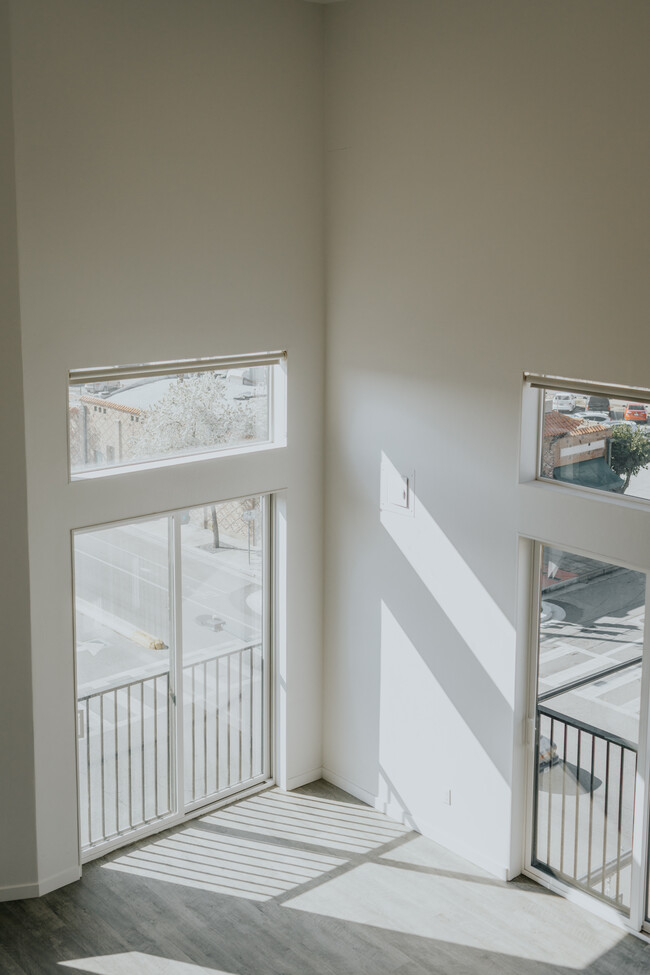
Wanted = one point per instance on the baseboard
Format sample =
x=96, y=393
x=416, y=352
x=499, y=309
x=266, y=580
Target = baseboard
x=21, y=892
x=476, y=857
x=59, y=880
x=342, y=783
x=304, y=779
x=396, y=812
x=18, y=892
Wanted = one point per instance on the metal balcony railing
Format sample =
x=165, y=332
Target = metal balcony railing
x=585, y=807
x=127, y=742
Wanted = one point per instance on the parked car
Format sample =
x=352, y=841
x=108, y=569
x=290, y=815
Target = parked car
x=636, y=412
x=547, y=753
x=625, y=423
x=600, y=403
x=565, y=402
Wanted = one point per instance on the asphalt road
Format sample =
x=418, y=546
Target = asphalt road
x=585, y=801
x=599, y=624
x=123, y=591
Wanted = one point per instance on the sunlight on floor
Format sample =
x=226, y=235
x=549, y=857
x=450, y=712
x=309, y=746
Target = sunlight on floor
x=311, y=821
x=218, y=854
x=423, y=901
x=347, y=862
x=137, y=963
x=224, y=864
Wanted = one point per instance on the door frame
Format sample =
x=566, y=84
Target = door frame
x=636, y=923
x=271, y=611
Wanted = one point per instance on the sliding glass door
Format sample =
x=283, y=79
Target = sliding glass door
x=125, y=681
x=223, y=613
x=589, y=826
x=172, y=659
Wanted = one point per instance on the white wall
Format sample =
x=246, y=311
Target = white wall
x=17, y=810
x=169, y=187
x=488, y=204
x=488, y=214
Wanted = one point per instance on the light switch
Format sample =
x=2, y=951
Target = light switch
x=398, y=492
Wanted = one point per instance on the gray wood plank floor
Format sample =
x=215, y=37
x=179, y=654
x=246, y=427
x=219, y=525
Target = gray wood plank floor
x=304, y=883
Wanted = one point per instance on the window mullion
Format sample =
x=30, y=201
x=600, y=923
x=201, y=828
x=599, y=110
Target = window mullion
x=176, y=589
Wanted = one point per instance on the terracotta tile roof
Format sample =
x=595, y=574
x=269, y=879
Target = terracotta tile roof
x=121, y=407
x=557, y=424
x=590, y=427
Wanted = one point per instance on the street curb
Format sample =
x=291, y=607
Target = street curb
x=587, y=577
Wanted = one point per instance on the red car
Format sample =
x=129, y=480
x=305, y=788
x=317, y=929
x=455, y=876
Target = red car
x=637, y=412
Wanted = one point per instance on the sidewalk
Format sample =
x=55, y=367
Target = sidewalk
x=572, y=570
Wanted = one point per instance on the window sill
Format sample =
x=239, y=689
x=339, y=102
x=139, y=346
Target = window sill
x=175, y=461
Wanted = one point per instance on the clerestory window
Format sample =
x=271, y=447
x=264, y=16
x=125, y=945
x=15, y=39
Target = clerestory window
x=594, y=436
x=157, y=413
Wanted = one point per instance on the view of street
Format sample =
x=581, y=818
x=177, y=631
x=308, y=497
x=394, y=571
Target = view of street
x=592, y=622
x=124, y=580
x=122, y=584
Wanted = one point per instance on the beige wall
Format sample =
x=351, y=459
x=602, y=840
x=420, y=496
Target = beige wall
x=17, y=811
x=488, y=214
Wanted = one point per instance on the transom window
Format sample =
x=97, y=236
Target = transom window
x=594, y=436
x=126, y=416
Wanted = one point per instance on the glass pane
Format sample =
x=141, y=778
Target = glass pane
x=222, y=556
x=589, y=683
x=122, y=615
x=596, y=442
x=156, y=417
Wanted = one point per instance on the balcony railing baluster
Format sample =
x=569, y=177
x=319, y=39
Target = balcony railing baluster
x=608, y=879
x=113, y=780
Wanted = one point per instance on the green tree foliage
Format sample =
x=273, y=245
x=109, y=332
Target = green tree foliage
x=630, y=452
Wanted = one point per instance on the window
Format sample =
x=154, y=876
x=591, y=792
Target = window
x=594, y=436
x=173, y=665
x=590, y=746
x=167, y=411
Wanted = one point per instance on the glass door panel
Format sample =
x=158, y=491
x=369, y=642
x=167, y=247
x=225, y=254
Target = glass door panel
x=590, y=643
x=125, y=724
x=223, y=554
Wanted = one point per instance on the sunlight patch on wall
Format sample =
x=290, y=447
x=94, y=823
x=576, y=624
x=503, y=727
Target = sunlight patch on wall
x=410, y=728
x=458, y=591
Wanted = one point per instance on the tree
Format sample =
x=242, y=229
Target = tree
x=197, y=412
x=630, y=452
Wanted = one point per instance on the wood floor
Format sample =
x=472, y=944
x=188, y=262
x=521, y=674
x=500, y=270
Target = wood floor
x=297, y=884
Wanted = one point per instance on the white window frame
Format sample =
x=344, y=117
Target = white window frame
x=540, y=383
x=636, y=923
x=277, y=406
x=274, y=586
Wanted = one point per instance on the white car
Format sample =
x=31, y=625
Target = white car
x=565, y=402
x=594, y=416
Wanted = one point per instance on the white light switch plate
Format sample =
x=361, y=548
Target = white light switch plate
x=397, y=490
